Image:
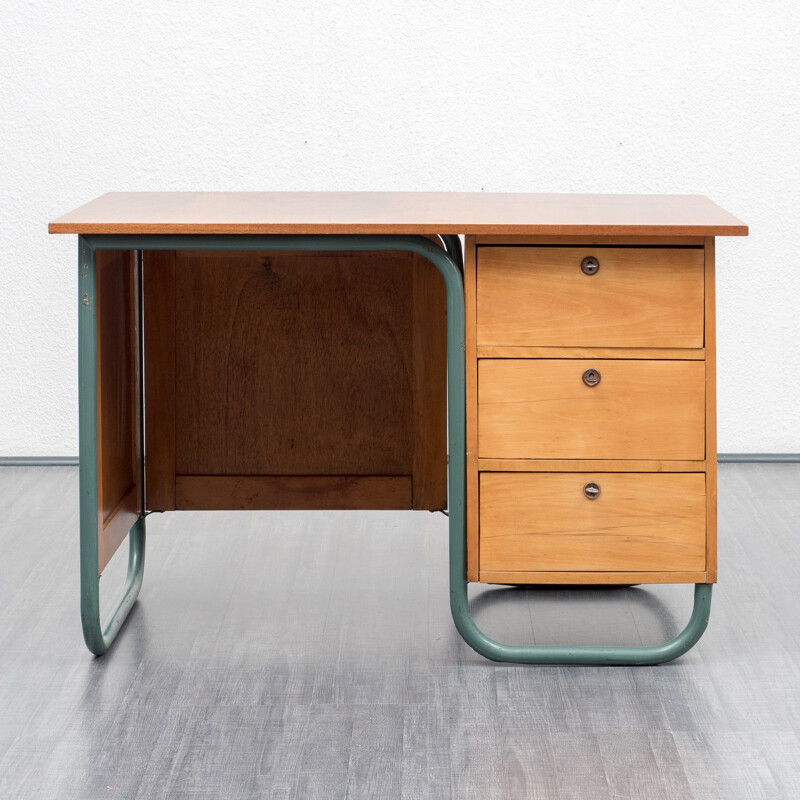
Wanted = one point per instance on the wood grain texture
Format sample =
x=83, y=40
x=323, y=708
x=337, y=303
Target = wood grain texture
x=598, y=239
x=711, y=410
x=287, y=492
x=668, y=353
x=159, y=365
x=579, y=465
x=294, y=364
x=470, y=347
x=640, y=297
x=640, y=409
x=641, y=522
x=429, y=386
x=567, y=578
x=400, y=212
x=117, y=524
x=279, y=364
x=119, y=456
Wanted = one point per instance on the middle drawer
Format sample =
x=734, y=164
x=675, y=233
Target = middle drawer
x=591, y=409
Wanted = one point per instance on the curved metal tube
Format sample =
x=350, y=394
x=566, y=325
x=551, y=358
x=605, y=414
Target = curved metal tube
x=582, y=654
x=97, y=635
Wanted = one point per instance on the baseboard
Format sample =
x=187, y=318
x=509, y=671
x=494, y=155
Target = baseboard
x=38, y=461
x=758, y=458
x=723, y=458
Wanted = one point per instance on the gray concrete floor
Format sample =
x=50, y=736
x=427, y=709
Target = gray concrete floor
x=312, y=655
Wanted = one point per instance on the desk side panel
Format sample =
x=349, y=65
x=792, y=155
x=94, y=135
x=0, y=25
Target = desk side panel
x=119, y=453
x=711, y=411
x=471, y=354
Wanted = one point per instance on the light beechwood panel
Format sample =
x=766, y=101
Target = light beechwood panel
x=640, y=522
x=584, y=465
x=296, y=365
x=610, y=579
x=118, y=450
x=401, y=212
x=669, y=353
x=538, y=296
x=541, y=408
x=711, y=412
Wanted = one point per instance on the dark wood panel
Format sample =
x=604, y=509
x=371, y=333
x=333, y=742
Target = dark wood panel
x=401, y=212
x=293, y=364
x=429, y=387
x=335, y=492
x=159, y=342
x=118, y=400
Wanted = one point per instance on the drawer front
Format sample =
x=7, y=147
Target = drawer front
x=639, y=522
x=638, y=297
x=542, y=408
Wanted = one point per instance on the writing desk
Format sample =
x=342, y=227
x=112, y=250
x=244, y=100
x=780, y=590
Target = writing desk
x=299, y=350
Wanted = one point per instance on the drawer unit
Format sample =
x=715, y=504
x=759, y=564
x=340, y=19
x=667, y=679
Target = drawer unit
x=590, y=362
x=597, y=409
x=554, y=296
x=630, y=522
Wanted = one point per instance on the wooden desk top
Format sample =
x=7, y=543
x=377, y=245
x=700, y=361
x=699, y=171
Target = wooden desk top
x=400, y=213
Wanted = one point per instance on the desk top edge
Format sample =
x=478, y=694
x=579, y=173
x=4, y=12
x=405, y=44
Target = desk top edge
x=398, y=213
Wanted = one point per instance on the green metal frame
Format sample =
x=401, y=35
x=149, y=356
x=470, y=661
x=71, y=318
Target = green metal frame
x=99, y=636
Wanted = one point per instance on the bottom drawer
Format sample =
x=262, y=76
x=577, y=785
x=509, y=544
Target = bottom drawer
x=639, y=522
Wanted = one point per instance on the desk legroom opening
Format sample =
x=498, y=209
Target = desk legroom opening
x=294, y=380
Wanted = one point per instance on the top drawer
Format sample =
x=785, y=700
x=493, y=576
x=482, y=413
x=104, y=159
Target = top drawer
x=540, y=296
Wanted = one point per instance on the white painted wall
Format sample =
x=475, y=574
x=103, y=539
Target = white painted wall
x=498, y=96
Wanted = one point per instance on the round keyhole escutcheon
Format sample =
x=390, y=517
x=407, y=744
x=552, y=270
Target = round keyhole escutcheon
x=590, y=265
x=591, y=377
x=592, y=491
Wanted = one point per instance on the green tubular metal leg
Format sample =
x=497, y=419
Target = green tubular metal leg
x=97, y=635
x=447, y=262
